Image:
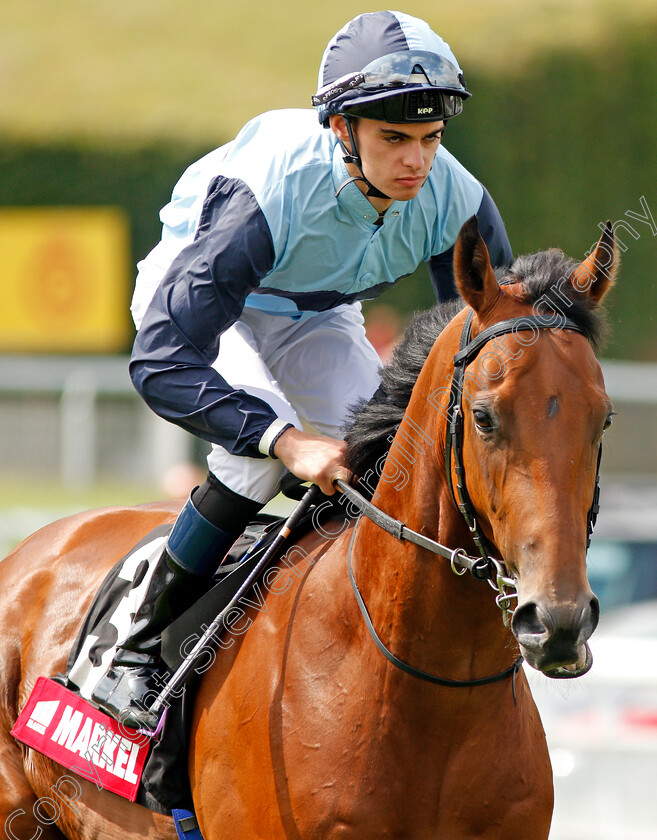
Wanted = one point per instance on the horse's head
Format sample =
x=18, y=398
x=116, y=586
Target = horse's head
x=534, y=411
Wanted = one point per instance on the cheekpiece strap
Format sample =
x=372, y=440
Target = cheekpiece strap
x=468, y=350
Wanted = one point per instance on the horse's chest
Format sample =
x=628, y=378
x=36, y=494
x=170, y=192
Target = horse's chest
x=402, y=773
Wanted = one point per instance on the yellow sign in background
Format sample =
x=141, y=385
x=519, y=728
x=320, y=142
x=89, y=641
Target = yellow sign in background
x=63, y=280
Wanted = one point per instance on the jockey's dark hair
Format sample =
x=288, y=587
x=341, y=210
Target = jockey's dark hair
x=544, y=278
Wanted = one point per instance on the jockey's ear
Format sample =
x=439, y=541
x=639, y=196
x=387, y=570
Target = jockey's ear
x=339, y=128
x=473, y=273
x=597, y=274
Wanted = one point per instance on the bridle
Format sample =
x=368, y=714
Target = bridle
x=486, y=566
x=468, y=350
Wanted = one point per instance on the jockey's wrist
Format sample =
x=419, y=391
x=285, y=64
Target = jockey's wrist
x=272, y=434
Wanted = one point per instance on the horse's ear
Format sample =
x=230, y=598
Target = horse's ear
x=473, y=273
x=597, y=274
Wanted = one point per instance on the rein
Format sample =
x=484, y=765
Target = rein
x=485, y=567
x=493, y=571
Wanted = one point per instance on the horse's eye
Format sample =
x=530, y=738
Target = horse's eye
x=609, y=420
x=482, y=420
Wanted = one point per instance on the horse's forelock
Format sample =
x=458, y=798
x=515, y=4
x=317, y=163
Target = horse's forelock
x=544, y=277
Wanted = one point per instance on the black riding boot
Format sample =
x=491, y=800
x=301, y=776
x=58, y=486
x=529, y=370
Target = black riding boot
x=174, y=586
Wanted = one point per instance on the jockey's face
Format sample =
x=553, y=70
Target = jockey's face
x=396, y=157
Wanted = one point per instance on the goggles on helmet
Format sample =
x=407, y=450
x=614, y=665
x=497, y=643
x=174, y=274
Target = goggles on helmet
x=394, y=73
x=423, y=105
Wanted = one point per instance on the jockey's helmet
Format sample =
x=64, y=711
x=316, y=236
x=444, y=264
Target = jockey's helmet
x=392, y=67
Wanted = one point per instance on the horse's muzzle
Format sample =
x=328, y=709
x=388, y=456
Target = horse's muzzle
x=554, y=640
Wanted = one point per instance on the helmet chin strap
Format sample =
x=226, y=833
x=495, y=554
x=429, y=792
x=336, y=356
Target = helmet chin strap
x=354, y=157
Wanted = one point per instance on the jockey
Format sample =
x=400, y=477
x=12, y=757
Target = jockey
x=250, y=332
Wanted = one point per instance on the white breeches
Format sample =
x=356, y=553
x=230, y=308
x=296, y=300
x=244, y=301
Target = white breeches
x=310, y=371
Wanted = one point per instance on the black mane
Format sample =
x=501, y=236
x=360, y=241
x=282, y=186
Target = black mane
x=544, y=282
x=372, y=423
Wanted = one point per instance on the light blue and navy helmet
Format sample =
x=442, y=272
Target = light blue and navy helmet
x=392, y=67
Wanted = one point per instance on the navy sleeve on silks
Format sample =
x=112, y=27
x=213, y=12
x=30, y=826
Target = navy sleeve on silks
x=201, y=295
x=493, y=232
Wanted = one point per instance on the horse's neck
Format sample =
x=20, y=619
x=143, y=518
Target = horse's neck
x=423, y=612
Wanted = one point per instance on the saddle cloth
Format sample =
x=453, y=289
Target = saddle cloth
x=62, y=725
x=164, y=781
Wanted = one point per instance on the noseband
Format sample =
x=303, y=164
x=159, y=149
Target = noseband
x=484, y=567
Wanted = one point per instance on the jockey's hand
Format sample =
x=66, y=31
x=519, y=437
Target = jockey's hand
x=313, y=458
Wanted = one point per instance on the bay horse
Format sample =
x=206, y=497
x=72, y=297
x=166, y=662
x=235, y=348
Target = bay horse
x=302, y=728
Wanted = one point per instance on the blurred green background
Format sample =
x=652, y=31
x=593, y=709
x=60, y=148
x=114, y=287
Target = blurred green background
x=107, y=102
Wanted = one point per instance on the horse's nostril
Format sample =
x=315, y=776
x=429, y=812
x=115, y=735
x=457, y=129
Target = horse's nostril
x=595, y=613
x=527, y=622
